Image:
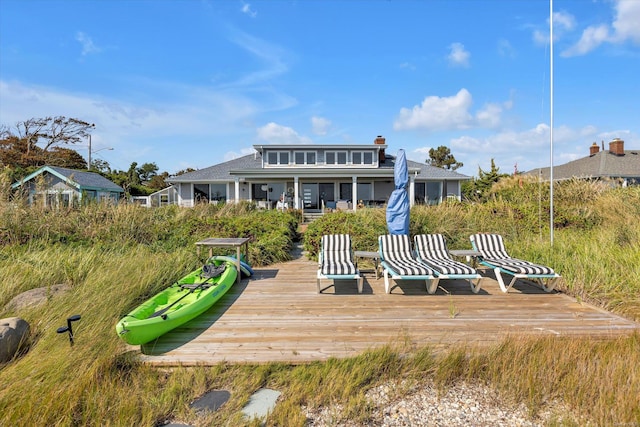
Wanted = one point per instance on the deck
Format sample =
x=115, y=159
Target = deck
x=277, y=316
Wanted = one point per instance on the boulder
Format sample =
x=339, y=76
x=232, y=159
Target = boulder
x=14, y=332
x=34, y=297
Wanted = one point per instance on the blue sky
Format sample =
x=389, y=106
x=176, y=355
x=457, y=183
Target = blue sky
x=193, y=83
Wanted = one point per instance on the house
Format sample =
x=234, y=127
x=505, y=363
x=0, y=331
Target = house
x=616, y=164
x=166, y=196
x=315, y=177
x=65, y=187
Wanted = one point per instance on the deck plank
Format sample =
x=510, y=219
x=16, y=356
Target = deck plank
x=277, y=316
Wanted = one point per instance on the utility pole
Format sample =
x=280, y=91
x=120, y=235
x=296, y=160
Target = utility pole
x=93, y=126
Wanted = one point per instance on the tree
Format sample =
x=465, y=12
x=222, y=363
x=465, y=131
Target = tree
x=36, y=142
x=441, y=157
x=183, y=171
x=477, y=189
x=102, y=166
x=158, y=181
x=147, y=171
x=52, y=131
x=65, y=157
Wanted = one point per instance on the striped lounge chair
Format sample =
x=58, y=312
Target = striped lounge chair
x=399, y=263
x=431, y=249
x=495, y=256
x=335, y=261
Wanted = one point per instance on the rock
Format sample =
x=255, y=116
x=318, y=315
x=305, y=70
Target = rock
x=35, y=297
x=14, y=332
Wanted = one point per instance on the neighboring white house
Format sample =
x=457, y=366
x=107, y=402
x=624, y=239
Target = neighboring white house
x=64, y=187
x=314, y=177
x=166, y=196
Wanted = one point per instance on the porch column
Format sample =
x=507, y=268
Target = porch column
x=412, y=190
x=296, y=192
x=354, y=191
x=237, y=190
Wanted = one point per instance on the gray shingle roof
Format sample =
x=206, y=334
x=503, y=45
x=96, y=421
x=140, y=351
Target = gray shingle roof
x=87, y=179
x=222, y=172
x=603, y=164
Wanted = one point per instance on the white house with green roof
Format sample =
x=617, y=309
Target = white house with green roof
x=64, y=187
x=314, y=177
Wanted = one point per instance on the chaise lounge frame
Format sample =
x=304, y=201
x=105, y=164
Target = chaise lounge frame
x=494, y=255
x=399, y=263
x=336, y=261
x=431, y=249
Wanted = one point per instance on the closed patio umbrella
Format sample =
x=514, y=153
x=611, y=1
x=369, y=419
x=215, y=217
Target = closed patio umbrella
x=398, y=205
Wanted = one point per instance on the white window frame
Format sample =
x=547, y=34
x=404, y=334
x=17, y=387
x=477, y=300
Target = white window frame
x=337, y=156
x=305, y=155
x=362, y=157
x=279, y=155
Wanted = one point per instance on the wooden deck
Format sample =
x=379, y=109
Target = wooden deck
x=276, y=315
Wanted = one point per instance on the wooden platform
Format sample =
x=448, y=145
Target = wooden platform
x=276, y=315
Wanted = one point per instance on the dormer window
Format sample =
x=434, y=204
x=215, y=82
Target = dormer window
x=304, y=157
x=278, y=158
x=336, y=157
x=362, y=157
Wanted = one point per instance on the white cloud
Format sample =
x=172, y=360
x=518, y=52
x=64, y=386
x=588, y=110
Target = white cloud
x=272, y=56
x=436, y=113
x=408, y=66
x=626, y=24
x=529, y=148
x=320, y=125
x=592, y=37
x=135, y=130
x=87, y=44
x=623, y=28
x=450, y=113
x=563, y=23
x=230, y=155
x=506, y=49
x=489, y=116
x=246, y=9
x=274, y=133
x=458, y=56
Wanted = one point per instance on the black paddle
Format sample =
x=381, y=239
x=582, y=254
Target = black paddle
x=164, y=310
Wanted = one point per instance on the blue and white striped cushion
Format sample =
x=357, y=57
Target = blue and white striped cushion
x=396, y=253
x=432, y=250
x=493, y=251
x=337, y=259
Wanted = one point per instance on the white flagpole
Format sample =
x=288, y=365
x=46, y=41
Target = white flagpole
x=551, y=120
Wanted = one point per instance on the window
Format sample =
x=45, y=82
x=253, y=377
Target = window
x=284, y=158
x=218, y=191
x=278, y=158
x=364, y=191
x=336, y=158
x=433, y=193
x=258, y=192
x=362, y=158
x=201, y=193
x=304, y=157
x=346, y=191
x=272, y=158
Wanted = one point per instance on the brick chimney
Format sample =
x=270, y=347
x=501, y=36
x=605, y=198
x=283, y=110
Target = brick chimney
x=594, y=149
x=617, y=147
x=380, y=140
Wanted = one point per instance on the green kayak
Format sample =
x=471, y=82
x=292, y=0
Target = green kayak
x=184, y=300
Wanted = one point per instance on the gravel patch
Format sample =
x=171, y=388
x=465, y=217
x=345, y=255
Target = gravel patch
x=461, y=404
